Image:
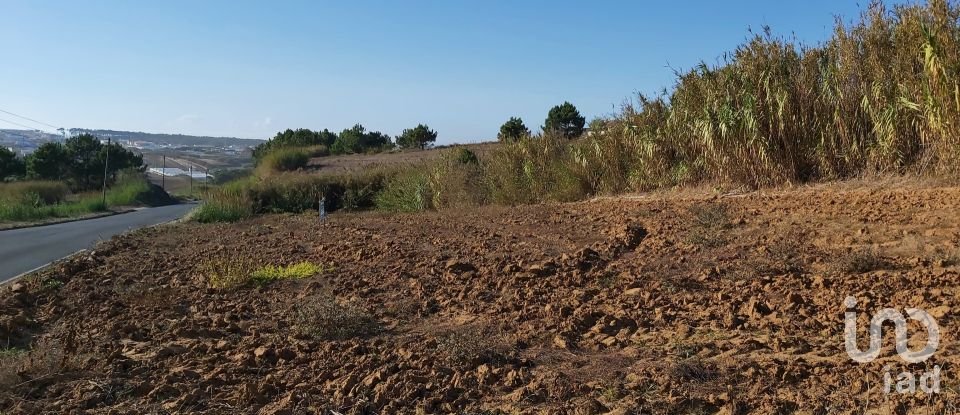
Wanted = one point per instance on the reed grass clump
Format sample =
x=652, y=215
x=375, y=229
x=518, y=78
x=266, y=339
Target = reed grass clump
x=881, y=96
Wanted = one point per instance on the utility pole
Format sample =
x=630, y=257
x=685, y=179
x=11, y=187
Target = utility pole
x=106, y=165
x=191, y=179
x=163, y=174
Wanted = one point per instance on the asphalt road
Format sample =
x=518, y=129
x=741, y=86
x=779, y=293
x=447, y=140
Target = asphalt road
x=26, y=249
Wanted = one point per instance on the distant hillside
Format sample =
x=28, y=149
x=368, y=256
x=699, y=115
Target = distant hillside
x=14, y=135
x=173, y=139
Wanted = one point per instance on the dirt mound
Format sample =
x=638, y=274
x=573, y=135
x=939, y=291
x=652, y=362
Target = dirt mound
x=657, y=305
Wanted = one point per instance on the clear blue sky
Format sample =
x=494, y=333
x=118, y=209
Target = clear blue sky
x=249, y=69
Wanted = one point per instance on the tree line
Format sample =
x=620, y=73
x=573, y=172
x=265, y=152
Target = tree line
x=563, y=120
x=356, y=139
x=79, y=161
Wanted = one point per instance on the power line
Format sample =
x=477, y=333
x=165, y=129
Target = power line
x=18, y=124
x=30, y=119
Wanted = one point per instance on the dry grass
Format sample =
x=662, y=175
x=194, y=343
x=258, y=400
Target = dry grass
x=473, y=345
x=947, y=257
x=45, y=360
x=784, y=255
x=711, y=223
x=860, y=261
x=694, y=370
x=324, y=318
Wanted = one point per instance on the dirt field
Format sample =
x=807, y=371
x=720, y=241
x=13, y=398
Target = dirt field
x=352, y=162
x=671, y=303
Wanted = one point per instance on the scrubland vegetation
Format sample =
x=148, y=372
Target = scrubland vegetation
x=27, y=201
x=880, y=96
x=66, y=180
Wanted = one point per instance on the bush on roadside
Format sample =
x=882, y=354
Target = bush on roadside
x=228, y=203
x=39, y=191
x=129, y=189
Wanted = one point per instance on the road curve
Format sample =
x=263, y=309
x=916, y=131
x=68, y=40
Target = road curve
x=26, y=249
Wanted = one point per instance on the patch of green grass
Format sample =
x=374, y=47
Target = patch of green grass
x=11, y=352
x=128, y=191
x=26, y=210
x=52, y=284
x=45, y=192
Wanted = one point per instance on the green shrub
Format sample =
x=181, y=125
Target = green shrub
x=227, y=273
x=536, y=169
x=37, y=200
x=223, y=176
x=283, y=159
x=317, y=151
x=465, y=156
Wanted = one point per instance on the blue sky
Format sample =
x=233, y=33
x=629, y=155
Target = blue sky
x=249, y=69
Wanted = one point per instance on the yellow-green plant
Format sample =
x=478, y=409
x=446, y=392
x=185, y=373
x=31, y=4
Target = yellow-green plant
x=268, y=273
x=230, y=273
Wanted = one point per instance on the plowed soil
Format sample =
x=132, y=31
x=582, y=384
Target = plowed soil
x=672, y=303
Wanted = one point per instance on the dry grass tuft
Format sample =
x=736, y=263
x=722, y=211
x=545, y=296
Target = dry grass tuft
x=473, y=345
x=711, y=223
x=860, y=261
x=45, y=360
x=324, y=318
x=694, y=370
